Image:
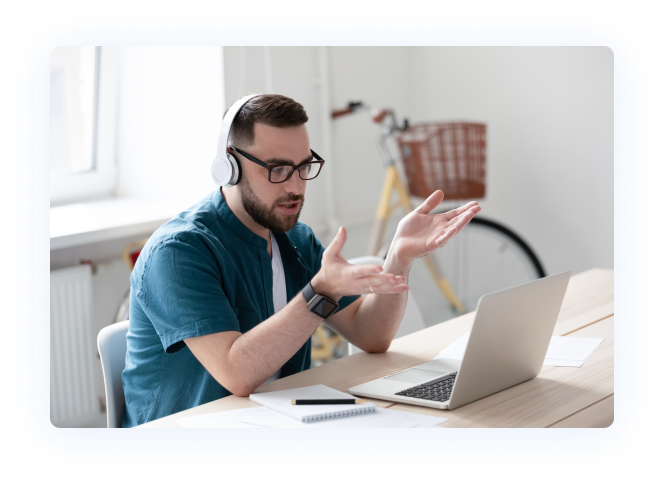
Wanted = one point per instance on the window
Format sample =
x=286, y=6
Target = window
x=82, y=113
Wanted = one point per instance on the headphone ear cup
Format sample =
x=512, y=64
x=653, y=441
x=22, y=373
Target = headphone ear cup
x=224, y=171
x=237, y=170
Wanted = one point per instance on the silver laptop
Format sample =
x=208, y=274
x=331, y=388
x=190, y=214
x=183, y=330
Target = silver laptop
x=507, y=346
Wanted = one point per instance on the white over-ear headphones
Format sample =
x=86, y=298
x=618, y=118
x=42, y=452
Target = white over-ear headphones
x=225, y=167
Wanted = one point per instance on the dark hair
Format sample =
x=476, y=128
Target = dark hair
x=271, y=109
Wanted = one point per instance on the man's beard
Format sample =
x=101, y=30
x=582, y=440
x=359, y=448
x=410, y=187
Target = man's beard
x=265, y=216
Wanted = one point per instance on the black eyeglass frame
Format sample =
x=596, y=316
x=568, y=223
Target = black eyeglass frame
x=269, y=167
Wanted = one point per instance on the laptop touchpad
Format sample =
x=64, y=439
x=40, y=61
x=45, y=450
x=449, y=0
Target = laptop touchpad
x=414, y=375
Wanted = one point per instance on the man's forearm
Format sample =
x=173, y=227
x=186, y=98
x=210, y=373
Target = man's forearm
x=241, y=362
x=379, y=316
x=257, y=354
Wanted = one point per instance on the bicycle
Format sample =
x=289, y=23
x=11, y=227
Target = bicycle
x=485, y=256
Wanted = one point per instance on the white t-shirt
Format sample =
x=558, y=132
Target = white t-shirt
x=279, y=298
x=278, y=278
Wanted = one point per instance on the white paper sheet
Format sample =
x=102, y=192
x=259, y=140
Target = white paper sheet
x=563, y=351
x=280, y=401
x=227, y=419
x=263, y=417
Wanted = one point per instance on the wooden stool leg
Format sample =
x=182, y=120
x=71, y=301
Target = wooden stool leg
x=324, y=345
x=323, y=351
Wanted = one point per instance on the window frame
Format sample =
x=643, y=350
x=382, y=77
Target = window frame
x=101, y=181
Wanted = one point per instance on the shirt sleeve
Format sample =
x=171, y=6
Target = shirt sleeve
x=180, y=288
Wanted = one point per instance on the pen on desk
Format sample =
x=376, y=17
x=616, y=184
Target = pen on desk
x=333, y=401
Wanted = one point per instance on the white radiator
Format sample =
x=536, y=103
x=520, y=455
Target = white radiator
x=73, y=348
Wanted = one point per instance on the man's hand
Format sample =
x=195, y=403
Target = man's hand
x=337, y=277
x=420, y=233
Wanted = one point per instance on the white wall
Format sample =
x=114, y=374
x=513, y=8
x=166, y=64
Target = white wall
x=171, y=101
x=378, y=76
x=550, y=139
x=549, y=113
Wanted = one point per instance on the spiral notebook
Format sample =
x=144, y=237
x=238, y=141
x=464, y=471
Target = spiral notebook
x=280, y=401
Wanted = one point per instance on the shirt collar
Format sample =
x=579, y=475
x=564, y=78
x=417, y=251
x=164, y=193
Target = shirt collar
x=286, y=244
x=232, y=221
x=238, y=227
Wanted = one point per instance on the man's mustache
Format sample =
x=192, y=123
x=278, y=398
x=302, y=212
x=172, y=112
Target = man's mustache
x=299, y=197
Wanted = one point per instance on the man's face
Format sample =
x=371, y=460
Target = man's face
x=276, y=207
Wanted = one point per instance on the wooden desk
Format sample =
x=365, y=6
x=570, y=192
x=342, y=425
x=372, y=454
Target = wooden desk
x=560, y=397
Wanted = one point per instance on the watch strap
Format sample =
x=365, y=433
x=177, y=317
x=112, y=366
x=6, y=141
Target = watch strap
x=308, y=292
x=319, y=304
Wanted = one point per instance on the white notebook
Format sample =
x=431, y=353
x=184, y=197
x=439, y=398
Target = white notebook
x=280, y=401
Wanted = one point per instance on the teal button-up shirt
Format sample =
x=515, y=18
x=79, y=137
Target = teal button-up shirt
x=203, y=272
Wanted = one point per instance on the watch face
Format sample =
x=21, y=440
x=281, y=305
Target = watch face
x=324, y=308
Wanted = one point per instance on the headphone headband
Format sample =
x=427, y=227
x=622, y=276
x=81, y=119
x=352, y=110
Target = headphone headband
x=225, y=171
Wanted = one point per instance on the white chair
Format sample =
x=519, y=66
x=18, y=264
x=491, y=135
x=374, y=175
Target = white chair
x=412, y=320
x=112, y=345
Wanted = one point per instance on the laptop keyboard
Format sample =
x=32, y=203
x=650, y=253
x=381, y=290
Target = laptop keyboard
x=437, y=390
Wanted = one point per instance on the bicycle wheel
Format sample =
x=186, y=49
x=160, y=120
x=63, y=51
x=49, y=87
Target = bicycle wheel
x=485, y=257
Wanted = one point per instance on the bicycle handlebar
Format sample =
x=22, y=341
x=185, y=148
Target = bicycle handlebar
x=350, y=108
x=340, y=112
x=378, y=116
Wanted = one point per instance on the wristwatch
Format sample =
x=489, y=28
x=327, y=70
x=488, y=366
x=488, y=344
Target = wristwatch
x=319, y=304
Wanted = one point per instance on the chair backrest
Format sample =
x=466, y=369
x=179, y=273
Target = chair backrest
x=412, y=320
x=112, y=345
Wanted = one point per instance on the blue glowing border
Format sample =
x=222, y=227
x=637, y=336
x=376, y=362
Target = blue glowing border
x=370, y=451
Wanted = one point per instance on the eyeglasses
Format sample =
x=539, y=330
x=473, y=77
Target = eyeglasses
x=282, y=172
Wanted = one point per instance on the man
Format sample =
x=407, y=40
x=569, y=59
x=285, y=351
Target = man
x=218, y=293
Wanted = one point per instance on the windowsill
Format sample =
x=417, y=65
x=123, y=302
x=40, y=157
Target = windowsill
x=102, y=220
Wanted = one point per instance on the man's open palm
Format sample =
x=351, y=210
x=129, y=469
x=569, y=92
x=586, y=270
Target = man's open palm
x=337, y=277
x=420, y=233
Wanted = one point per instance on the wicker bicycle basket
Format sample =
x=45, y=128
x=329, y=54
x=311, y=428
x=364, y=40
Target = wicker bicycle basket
x=449, y=156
